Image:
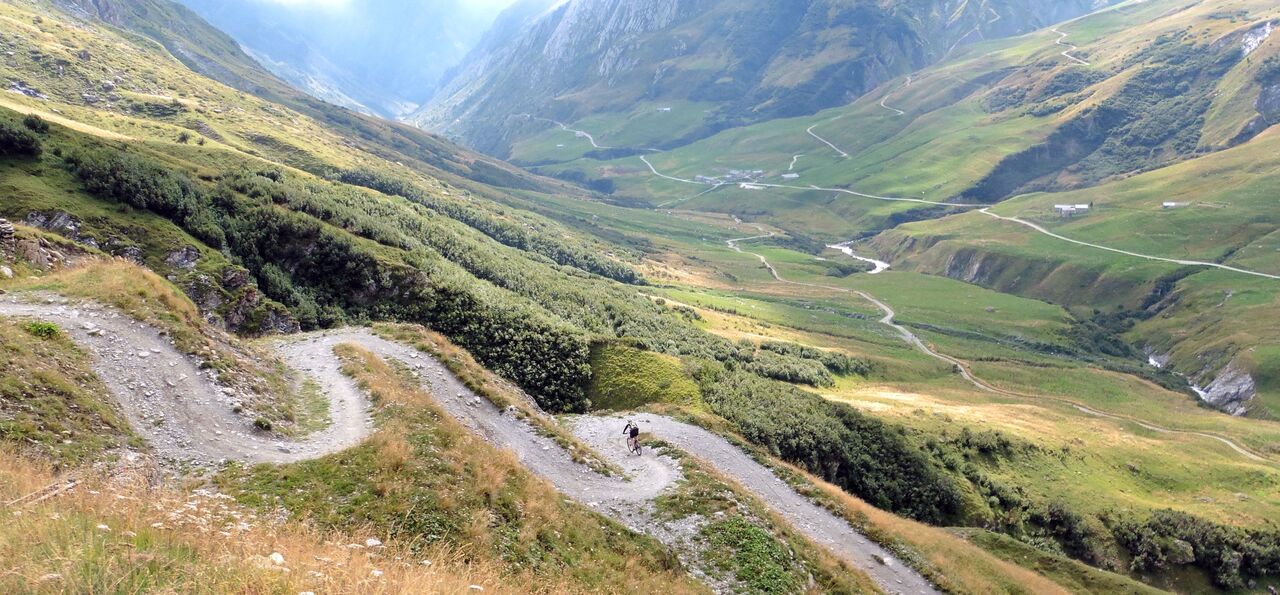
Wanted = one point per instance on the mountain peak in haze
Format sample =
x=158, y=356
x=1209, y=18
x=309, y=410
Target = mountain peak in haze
x=382, y=57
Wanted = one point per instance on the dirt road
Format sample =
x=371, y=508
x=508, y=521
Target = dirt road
x=1062, y=37
x=179, y=408
x=962, y=367
x=187, y=417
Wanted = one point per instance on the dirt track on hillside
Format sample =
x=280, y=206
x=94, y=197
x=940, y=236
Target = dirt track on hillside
x=183, y=413
x=180, y=409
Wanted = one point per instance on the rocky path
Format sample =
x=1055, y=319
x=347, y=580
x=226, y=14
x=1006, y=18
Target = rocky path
x=181, y=411
x=175, y=405
x=647, y=475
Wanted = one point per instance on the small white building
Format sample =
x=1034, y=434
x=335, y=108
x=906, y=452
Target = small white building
x=1071, y=210
x=1173, y=205
x=746, y=186
x=790, y=176
x=664, y=109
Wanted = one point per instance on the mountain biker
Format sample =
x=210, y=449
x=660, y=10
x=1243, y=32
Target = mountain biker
x=632, y=432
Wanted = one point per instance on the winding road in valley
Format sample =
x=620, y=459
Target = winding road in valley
x=1196, y=263
x=188, y=418
x=825, y=141
x=985, y=209
x=962, y=367
x=578, y=133
x=895, y=110
x=1062, y=41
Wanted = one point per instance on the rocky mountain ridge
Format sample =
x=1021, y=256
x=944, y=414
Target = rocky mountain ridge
x=752, y=60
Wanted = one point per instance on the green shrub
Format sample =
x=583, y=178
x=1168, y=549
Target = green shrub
x=1269, y=73
x=863, y=455
x=16, y=142
x=1231, y=555
x=35, y=124
x=43, y=330
x=757, y=560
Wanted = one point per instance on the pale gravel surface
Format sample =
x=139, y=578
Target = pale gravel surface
x=186, y=417
x=180, y=409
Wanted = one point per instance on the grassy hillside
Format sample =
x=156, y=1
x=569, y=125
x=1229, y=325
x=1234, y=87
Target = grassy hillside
x=1203, y=320
x=624, y=378
x=49, y=396
x=984, y=106
x=273, y=216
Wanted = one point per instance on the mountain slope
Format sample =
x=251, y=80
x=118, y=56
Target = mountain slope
x=271, y=216
x=740, y=61
x=1168, y=85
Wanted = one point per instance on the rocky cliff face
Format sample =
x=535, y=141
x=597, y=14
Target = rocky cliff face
x=1231, y=391
x=756, y=59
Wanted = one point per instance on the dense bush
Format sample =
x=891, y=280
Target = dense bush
x=317, y=268
x=838, y=363
x=17, y=142
x=790, y=369
x=1070, y=80
x=1230, y=555
x=505, y=230
x=858, y=453
x=35, y=124
x=1269, y=73
x=1078, y=537
x=137, y=182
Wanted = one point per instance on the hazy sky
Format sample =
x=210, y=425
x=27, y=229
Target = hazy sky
x=374, y=51
x=342, y=4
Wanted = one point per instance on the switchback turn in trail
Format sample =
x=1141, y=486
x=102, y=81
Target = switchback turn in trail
x=1070, y=48
x=179, y=408
x=184, y=415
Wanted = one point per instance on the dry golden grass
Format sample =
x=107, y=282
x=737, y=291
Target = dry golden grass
x=954, y=564
x=113, y=533
x=116, y=533
x=493, y=476
x=133, y=289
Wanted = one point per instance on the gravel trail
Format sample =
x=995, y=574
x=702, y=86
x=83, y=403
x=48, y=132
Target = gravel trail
x=183, y=413
x=1062, y=41
x=179, y=408
x=648, y=475
x=824, y=141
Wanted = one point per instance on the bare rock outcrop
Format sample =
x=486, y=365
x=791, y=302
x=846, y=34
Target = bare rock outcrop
x=1231, y=391
x=8, y=240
